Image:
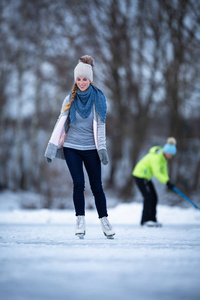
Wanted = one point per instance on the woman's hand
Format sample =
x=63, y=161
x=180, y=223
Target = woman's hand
x=103, y=155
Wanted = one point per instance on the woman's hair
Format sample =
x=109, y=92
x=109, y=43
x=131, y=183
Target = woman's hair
x=86, y=59
x=74, y=90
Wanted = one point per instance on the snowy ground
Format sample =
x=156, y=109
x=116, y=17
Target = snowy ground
x=41, y=258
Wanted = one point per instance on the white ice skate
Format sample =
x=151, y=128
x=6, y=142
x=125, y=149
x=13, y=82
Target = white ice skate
x=80, y=227
x=107, y=228
x=152, y=224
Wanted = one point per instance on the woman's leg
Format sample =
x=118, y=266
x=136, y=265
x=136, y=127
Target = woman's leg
x=75, y=165
x=93, y=167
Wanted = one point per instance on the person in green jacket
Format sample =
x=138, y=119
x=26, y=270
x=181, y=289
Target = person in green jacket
x=153, y=164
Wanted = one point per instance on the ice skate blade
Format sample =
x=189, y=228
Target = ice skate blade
x=80, y=235
x=109, y=237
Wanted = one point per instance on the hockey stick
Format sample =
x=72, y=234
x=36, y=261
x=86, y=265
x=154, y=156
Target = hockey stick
x=186, y=198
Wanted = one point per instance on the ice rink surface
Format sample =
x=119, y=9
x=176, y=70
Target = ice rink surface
x=44, y=261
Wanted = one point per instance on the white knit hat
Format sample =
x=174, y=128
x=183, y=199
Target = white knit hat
x=84, y=70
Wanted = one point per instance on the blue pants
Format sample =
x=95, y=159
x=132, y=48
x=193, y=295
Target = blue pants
x=75, y=160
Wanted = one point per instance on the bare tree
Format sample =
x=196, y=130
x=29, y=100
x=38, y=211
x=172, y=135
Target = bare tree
x=146, y=55
x=181, y=69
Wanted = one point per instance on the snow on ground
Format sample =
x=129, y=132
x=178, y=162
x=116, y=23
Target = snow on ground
x=41, y=258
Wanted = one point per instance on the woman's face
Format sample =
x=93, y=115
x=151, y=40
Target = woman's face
x=83, y=83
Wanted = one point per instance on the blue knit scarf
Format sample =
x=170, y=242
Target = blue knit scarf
x=83, y=103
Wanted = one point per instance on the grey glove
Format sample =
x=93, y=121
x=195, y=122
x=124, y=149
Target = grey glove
x=103, y=155
x=48, y=160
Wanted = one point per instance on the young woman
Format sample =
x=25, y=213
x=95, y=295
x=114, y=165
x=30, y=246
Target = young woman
x=79, y=138
x=153, y=164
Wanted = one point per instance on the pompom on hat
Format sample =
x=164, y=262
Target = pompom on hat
x=84, y=68
x=170, y=146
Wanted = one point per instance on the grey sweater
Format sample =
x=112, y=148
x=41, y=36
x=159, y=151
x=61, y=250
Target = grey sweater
x=62, y=125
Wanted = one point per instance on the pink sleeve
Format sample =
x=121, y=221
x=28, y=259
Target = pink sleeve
x=58, y=131
x=95, y=133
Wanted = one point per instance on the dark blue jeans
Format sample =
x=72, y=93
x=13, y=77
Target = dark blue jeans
x=75, y=160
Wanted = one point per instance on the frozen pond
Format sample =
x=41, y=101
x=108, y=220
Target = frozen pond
x=46, y=261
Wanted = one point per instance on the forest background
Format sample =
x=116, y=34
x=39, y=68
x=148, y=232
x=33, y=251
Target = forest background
x=146, y=63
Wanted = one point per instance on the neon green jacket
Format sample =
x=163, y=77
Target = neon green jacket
x=152, y=164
